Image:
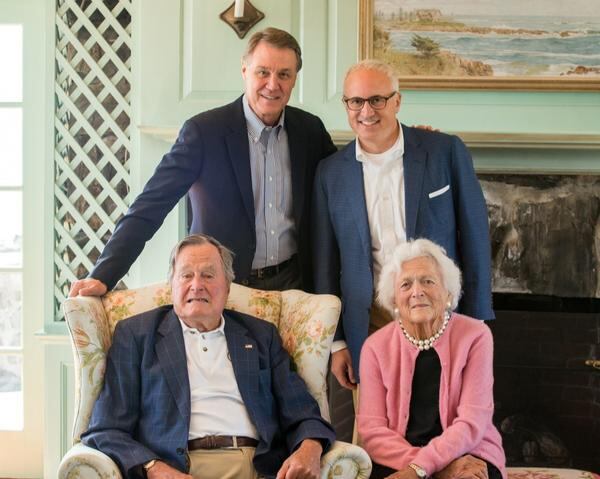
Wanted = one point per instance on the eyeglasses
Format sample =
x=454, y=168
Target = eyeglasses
x=377, y=102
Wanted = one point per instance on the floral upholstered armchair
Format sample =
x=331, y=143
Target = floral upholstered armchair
x=306, y=323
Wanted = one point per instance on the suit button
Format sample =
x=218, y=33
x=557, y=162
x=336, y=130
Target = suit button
x=180, y=450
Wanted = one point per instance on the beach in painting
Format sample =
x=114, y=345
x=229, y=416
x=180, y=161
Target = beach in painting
x=483, y=44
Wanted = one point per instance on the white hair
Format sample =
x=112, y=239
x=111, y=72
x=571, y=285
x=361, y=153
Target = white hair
x=404, y=252
x=378, y=66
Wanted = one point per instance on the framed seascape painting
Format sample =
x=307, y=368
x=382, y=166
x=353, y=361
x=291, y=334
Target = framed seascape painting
x=485, y=44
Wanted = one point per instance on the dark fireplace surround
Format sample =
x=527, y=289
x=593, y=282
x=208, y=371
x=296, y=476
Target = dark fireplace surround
x=545, y=234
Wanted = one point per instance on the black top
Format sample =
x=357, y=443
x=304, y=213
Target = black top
x=424, y=415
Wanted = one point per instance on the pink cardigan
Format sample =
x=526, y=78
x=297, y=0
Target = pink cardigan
x=466, y=398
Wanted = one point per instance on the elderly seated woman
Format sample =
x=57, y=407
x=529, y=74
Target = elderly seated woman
x=426, y=399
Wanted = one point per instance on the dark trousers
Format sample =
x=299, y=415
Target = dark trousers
x=287, y=278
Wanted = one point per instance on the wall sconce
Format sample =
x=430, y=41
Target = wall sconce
x=242, y=16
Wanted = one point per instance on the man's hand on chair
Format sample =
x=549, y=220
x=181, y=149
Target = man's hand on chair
x=341, y=367
x=88, y=287
x=161, y=470
x=304, y=463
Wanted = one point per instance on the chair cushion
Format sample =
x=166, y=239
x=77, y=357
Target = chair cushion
x=255, y=302
x=125, y=303
x=122, y=304
x=308, y=323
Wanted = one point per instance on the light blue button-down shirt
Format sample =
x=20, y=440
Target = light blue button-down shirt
x=271, y=170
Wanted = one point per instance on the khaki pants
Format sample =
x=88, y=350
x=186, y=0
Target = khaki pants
x=379, y=318
x=229, y=463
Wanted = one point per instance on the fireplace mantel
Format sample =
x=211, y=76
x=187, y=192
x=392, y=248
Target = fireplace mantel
x=539, y=153
x=473, y=139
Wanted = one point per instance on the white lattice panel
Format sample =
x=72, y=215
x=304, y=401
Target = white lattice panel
x=92, y=140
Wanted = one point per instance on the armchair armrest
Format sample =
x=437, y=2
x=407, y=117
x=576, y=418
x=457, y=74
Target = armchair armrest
x=91, y=337
x=83, y=461
x=307, y=326
x=342, y=461
x=345, y=461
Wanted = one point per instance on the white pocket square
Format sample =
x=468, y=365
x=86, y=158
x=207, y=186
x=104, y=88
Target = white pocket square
x=439, y=192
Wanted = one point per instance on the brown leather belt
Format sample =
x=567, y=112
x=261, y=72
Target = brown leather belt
x=271, y=271
x=218, y=442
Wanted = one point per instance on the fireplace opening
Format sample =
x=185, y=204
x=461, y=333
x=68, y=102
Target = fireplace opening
x=547, y=399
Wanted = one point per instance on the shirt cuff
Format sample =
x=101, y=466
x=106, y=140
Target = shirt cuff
x=338, y=346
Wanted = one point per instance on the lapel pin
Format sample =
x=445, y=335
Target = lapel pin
x=248, y=346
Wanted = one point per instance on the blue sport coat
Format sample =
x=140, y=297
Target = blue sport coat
x=455, y=219
x=211, y=161
x=143, y=410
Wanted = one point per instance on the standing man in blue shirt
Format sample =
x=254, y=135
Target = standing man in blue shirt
x=248, y=168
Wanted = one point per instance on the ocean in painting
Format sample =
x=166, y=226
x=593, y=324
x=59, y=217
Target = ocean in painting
x=568, y=43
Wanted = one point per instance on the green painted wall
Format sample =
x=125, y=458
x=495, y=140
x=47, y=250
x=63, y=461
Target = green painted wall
x=189, y=61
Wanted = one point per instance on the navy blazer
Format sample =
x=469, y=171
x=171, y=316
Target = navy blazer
x=455, y=219
x=211, y=161
x=143, y=411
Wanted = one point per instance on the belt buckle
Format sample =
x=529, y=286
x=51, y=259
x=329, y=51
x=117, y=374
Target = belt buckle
x=234, y=443
x=260, y=273
x=211, y=442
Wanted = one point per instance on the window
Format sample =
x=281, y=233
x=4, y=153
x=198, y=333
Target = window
x=11, y=233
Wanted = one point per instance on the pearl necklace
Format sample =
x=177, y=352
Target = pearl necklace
x=425, y=344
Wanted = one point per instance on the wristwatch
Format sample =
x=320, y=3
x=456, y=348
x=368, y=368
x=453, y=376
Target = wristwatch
x=149, y=465
x=422, y=473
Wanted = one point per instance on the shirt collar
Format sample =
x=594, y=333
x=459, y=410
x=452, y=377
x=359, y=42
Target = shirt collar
x=394, y=152
x=213, y=332
x=256, y=125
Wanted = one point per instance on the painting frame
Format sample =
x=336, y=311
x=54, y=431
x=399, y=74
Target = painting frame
x=422, y=82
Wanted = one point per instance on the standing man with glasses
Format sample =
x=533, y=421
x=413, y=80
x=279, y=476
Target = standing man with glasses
x=392, y=184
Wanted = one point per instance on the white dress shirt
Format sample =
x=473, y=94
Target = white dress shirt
x=217, y=407
x=383, y=178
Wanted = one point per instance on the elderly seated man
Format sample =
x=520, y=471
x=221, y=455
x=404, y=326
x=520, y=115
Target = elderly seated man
x=193, y=390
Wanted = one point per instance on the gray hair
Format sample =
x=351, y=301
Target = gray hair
x=415, y=249
x=378, y=66
x=198, y=240
x=276, y=38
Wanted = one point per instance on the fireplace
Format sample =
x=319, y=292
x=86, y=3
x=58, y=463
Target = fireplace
x=545, y=233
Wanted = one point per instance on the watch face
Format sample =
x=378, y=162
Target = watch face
x=419, y=470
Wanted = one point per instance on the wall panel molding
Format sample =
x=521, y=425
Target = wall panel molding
x=67, y=388
x=476, y=139
x=472, y=139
